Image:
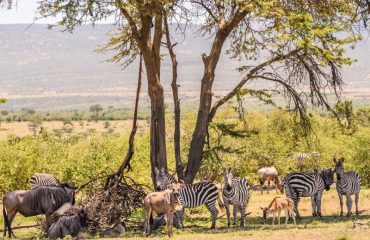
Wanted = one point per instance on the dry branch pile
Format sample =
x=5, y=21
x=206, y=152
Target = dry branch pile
x=106, y=208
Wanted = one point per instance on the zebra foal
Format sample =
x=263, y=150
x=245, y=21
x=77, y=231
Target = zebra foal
x=235, y=193
x=43, y=179
x=312, y=185
x=192, y=195
x=348, y=183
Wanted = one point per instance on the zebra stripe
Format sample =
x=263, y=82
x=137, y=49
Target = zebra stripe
x=348, y=183
x=312, y=185
x=192, y=195
x=300, y=157
x=235, y=193
x=43, y=179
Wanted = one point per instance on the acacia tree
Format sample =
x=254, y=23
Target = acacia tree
x=297, y=46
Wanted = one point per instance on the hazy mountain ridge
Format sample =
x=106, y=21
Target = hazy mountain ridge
x=49, y=69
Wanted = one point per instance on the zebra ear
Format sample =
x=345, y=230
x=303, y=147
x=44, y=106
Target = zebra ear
x=156, y=171
x=335, y=160
x=233, y=170
x=225, y=171
x=163, y=170
x=342, y=159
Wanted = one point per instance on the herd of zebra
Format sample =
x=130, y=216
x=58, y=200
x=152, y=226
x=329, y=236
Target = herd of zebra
x=236, y=190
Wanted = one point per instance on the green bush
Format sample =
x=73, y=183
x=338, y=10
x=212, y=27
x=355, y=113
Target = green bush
x=265, y=138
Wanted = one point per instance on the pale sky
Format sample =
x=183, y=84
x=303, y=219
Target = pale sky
x=24, y=12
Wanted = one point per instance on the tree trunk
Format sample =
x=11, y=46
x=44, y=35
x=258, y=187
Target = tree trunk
x=200, y=132
x=158, y=156
x=210, y=63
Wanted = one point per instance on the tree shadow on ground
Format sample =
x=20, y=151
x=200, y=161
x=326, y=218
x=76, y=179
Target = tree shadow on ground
x=202, y=225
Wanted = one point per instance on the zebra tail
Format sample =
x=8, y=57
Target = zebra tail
x=221, y=205
x=288, y=192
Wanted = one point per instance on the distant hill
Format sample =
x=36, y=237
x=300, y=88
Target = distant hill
x=52, y=70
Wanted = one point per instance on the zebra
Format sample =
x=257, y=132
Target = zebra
x=312, y=185
x=348, y=183
x=192, y=195
x=235, y=193
x=301, y=157
x=43, y=179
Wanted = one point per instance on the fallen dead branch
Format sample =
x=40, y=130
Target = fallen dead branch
x=20, y=227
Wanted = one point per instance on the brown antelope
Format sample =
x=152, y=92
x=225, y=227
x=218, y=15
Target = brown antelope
x=270, y=174
x=276, y=206
x=166, y=202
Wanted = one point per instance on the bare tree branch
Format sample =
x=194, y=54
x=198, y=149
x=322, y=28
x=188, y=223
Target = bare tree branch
x=249, y=76
x=176, y=101
x=130, y=152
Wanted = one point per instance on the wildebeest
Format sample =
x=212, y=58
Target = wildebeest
x=166, y=202
x=41, y=200
x=270, y=174
x=69, y=225
x=276, y=206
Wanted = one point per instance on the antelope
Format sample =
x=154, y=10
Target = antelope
x=276, y=206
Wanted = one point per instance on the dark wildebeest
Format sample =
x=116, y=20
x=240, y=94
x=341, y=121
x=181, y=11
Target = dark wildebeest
x=69, y=225
x=270, y=174
x=42, y=200
x=167, y=202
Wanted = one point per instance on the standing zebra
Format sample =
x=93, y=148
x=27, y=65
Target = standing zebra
x=302, y=157
x=235, y=193
x=348, y=183
x=43, y=179
x=192, y=195
x=312, y=185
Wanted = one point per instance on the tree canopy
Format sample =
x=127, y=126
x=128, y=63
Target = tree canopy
x=297, y=46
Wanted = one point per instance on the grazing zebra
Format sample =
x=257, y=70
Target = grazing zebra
x=192, y=195
x=348, y=183
x=312, y=185
x=302, y=157
x=43, y=179
x=235, y=193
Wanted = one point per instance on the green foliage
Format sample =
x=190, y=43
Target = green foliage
x=267, y=139
x=275, y=136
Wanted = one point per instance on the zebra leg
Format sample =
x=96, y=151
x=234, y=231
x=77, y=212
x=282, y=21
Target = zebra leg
x=318, y=203
x=227, y=207
x=235, y=209
x=313, y=203
x=296, y=200
x=214, y=212
x=341, y=203
x=349, y=204
x=357, y=195
x=242, y=214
